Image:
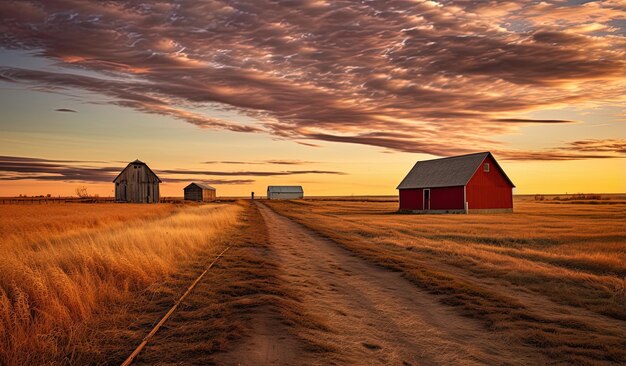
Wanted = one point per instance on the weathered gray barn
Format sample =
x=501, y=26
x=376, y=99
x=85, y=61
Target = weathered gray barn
x=137, y=183
x=285, y=192
x=199, y=192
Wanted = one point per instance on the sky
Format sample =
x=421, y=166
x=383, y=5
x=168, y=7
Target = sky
x=342, y=97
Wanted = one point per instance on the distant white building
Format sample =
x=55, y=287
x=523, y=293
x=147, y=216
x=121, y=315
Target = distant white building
x=285, y=192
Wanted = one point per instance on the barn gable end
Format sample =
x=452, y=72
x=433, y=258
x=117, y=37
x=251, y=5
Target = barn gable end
x=137, y=183
x=489, y=190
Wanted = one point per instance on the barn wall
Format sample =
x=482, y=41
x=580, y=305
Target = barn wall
x=193, y=193
x=446, y=198
x=208, y=195
x=121, y=187
x=411, y=199
x=489, y=190
x=285, y=196
x=441, y=198
x=153, y=189
x=137, y=185
x=120, y=194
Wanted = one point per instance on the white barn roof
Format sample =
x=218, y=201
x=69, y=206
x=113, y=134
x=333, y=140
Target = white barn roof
x=285, y=189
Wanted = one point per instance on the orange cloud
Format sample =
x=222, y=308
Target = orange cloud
x=28, y=168
x=395, y=74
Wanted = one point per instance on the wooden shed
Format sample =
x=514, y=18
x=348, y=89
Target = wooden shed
x=137, y=183
x=199, y=192
x=285, y=192
x=458, y=184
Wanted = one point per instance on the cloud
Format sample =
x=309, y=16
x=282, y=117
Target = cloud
x=65, y=110
x=398, y=142
x=591, y=13
x=600, y=145
x=127, y=94
x=574, y=150
x=340, y=71
x=290, y=162
x=263, y=162
x=28, y=168
x=249, y=173
x=211, y=181
x=549, y=155
x=525, y=120
x=4, y=158
x=19, y=168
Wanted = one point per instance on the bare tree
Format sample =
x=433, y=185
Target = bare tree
x=81, y=192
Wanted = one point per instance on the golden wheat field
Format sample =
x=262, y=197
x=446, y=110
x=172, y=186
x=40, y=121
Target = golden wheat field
x=61, y=264
x=550, y=276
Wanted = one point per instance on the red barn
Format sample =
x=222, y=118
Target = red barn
x=458, y=184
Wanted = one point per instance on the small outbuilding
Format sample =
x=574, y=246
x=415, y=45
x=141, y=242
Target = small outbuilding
x=137, y=183
x=285, y=192
x=199, y=192
x=458, y=184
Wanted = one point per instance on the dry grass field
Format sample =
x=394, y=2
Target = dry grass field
x=241, y=300
x=83, y=284
x=550, y=276
x=61, y=264
x=37, y=223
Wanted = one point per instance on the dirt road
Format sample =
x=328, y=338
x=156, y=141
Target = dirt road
x=284, y=295
x=366, y=315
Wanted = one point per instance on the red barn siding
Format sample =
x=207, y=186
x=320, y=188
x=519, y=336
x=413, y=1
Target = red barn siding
x=489, y=190
x=411, y=199
x=441, y=198
x=446, y=198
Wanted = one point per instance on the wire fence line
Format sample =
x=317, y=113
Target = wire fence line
x=59, y=200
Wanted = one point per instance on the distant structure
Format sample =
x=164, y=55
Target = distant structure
x=285, y=192
x=460, y=184
x=137, y=183
x=199, y=192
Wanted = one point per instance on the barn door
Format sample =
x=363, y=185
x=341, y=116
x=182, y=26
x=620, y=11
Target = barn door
x=426, y=199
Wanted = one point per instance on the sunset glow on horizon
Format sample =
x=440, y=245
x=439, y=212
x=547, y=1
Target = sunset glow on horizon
x=340, y=97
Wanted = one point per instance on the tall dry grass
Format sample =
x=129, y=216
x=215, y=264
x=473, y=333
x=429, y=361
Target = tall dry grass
x=21, y=224
x=51, y=282
x=549, y=276
x=222, y=314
